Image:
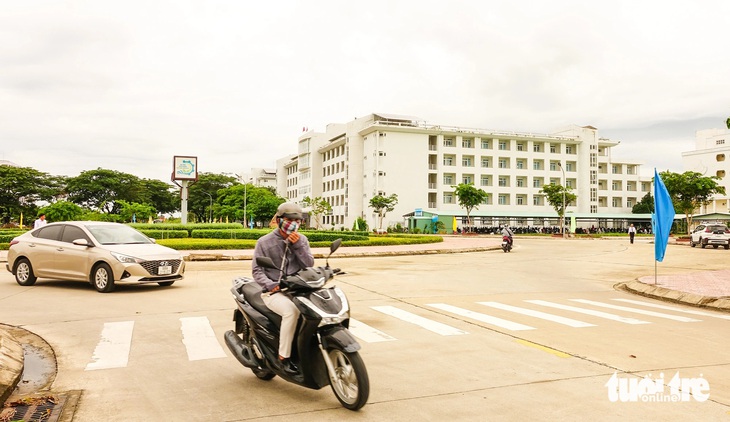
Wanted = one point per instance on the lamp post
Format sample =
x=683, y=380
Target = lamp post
x=562, y=228
x=210, y=208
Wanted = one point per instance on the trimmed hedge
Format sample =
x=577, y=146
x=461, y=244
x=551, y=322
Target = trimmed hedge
x=187, y=227
x=165, y=234
x=213, y=244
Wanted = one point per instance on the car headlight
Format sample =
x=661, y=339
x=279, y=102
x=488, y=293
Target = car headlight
x=126, y=258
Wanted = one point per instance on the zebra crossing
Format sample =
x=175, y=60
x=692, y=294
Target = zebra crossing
x=202, y=343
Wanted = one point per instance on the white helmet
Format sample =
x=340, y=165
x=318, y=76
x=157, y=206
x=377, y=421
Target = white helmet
x=289, y=210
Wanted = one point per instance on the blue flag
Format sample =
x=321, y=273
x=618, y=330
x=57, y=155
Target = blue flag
x=662, y=218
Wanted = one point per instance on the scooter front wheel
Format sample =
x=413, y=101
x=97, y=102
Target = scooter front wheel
x=351, y=384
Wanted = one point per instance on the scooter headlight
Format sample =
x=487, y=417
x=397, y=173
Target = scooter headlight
x=330, y=318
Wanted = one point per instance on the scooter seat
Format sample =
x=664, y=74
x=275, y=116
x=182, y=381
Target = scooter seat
x=252, y=293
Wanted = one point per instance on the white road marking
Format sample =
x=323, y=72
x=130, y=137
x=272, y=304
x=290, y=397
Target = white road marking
x=537, y=314
x=599, y=314
x=670, y=308
x=199, y=339
x=499, y=322
x=367, y=333
x=112, y=351
x=433, y=326
x=638, y=311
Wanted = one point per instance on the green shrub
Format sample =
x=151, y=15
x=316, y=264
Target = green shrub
x=207, y=244
x=229, y=234
x=165, y=234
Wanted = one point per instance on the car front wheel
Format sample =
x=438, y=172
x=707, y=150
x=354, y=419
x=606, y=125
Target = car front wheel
x=102, y=278
x=702, y=243
x=24, y=273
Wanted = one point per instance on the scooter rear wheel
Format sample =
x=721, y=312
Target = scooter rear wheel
x=351, y=385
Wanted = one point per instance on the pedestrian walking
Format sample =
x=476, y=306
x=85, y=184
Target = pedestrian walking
x=632, y=233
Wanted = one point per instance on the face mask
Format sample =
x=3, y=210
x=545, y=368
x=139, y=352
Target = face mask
x=288, y=226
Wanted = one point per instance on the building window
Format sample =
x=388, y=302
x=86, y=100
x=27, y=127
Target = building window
x=467, y=161
x=615, y=185
x=448, y=198
x=504, y=163
x=721, y=173
x=537, y=165
x=520, y=164
x=616, y=169
x=537, y=182
x=720, y=157
x=485, y=144
x=520, y=200
x=467, y=179
x=448, y=142
x=537, y=147
x=719, y=142
x=569, y=149
x=569, y=166
x=521, y=146
x=616, y=202
x=503, y=145
x=553, y=166
x=594, y=177
x=467, y=143
x=448, y=179
x=537, y=200
x=503, y=181
x=553, y=148
x=594, y=194
x=448, y=160
x=521, y=182
x=594, y=209
x=486, y=181
x=594, y=159
x=503, y=199
x=485, y=162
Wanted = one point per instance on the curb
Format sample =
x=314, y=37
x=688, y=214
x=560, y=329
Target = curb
x=11, y=364
x=341, y=254
x=636, y=287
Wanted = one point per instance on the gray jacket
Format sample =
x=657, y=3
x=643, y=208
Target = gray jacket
x=273, y=245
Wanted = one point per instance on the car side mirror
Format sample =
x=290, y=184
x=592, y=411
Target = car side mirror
x=82, y=242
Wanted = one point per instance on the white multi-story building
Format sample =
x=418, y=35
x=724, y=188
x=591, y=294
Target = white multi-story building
x=711, y=157
x=382, y=154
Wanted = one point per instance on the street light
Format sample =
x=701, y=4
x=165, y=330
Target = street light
x=563, y=222
x=210, y=208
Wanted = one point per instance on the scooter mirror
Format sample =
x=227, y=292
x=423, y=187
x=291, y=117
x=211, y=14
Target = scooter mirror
x=335, y=245
x=266, y=262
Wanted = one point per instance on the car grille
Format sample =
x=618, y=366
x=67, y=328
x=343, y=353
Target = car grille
x=152, y=266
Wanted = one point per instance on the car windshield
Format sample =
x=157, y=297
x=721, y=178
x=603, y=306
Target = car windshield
x=117, y=235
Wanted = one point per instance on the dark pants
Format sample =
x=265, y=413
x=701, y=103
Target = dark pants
x=631, y=237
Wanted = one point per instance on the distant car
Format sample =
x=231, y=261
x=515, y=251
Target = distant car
x=710, y=234
x=97, y=252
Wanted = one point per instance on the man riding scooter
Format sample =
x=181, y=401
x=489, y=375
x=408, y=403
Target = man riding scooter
x=506, y=232
x=283, y=242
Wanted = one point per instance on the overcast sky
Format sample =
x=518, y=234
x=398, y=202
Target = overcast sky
x=126, y=85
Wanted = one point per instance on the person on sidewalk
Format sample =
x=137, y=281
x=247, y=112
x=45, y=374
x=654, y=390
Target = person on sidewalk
x=632, y=233
x=40, y=222
x=283, y=242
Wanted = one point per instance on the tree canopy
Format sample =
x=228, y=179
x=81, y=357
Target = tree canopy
x=383, y=205
x=554, y=197
x=318, y=206
x=22, y=187
x=645, y=206
x=469, y=198
x=690, y=190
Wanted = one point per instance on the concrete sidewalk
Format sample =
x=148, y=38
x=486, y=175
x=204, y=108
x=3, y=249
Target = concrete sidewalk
x=704, y=288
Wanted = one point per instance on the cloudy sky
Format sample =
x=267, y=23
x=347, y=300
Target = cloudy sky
x=126, y=85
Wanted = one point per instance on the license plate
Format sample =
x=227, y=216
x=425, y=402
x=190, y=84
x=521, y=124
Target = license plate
x=163, y=270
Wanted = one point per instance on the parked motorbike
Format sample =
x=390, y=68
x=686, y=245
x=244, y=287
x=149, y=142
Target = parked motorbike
x=324, y=350
x=506, y=244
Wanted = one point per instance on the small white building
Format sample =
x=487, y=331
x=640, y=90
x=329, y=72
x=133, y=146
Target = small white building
x=711, y=157
x=382, y=154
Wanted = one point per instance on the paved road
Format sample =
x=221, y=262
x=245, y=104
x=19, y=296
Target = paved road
x=431, y=339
